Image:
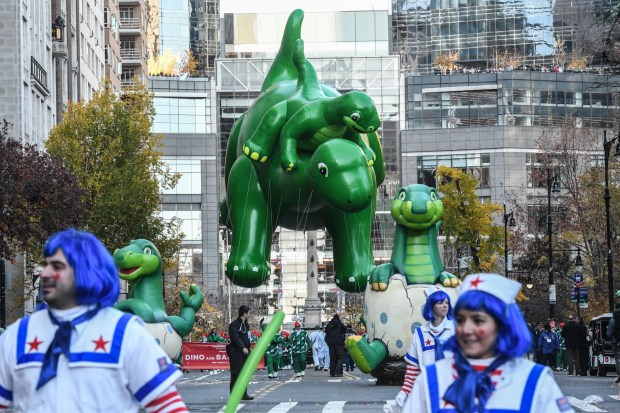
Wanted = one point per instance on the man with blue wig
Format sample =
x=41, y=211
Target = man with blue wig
x=78, y=354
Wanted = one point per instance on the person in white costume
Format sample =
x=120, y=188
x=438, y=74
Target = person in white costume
x=77, y=353
x=427, y=345
x=318, y=341
x=487, y=371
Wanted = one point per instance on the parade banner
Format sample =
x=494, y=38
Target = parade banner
x=208, y=356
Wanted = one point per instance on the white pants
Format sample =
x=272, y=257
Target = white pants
x=316, y=357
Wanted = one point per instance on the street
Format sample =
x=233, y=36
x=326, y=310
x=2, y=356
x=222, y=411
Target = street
x=354, y=392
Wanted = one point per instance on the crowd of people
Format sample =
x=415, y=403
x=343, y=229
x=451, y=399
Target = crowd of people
x=564, y=346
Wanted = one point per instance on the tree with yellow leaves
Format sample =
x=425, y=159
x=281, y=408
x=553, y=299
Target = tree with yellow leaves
x=446, y=62
x=467, y=222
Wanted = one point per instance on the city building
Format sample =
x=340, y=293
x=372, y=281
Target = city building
x=205, y=35
x=133, y=39
x=112, y=44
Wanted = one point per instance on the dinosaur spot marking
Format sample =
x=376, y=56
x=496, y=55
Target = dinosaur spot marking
x=169, y=328
x=352, y=279
x=399, y=343
x=236, y=268
x=414, y=326
x=337, y=281
x=383, y=318
x=158, y=342
x=255, y=269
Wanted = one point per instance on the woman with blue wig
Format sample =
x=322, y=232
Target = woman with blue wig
x=427, y=345
x=487, y=371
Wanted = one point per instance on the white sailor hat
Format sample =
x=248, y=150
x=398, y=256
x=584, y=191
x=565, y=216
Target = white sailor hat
x=432, y=289
x=499, y=286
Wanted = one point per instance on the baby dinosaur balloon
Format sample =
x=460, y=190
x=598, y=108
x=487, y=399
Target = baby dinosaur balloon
x=302, y=157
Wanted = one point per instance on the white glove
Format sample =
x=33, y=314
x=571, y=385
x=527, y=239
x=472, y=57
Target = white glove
x=401, y=397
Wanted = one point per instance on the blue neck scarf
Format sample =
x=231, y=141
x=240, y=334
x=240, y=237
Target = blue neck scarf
x=470, y=385
x=60, y=344
x=438, y=345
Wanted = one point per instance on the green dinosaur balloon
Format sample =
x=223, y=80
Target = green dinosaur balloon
x=140, y=264
x=287, y=165
x=395, y=294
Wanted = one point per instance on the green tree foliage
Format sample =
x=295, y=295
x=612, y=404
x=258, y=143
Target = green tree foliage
x=38, y=196
x=467, y=222
x=108, y=144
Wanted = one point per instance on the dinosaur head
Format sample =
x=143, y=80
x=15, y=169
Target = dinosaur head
x=417, y=207
x=357, y=111
x=339, y=174
x=138, y=259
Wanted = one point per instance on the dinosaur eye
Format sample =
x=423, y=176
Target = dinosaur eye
x=147, y=251
x=433, y=196
x=323, y=169
x=402, y=195
x=355, y=116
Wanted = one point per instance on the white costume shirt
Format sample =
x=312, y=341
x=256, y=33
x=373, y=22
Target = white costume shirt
x=521, y=386
x=421, y=351
x=115, y=365
x=318, y=340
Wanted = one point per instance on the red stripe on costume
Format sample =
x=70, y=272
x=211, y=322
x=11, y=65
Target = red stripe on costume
x=163, y=398
x=411, y=375
x=169, y=404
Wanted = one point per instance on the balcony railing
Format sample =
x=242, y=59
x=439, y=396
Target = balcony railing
x=130, y=23
x=131, y=54
x=39, y=75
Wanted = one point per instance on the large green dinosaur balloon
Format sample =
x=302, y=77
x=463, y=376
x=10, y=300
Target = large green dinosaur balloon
x=395, y=295
x=287, y=165
x=140, y=264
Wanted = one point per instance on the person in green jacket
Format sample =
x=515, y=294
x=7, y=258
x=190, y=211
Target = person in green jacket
x=299, y=348
x=561, y=361
x=214, y=337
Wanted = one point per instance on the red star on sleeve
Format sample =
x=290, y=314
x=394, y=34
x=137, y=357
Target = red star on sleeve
x=34, y=344
x=475, y=282
x=100, y=344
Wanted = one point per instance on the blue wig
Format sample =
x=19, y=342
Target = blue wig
x=513, y=337
x=436, y=297
x=96, y=280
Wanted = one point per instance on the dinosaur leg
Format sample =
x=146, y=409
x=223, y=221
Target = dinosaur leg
x=353, y=259
x=448, y=280
x=367, y=356
x=260, y=145
x=380, y=276
x=250, y=219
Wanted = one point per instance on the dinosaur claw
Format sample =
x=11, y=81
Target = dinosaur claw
x=371, y=162
x=254, y=156
x=263, y=159
x=246, y=150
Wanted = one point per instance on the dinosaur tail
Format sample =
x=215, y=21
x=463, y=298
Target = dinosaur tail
x=307, y=75
x=283, y=67
x=367, y=356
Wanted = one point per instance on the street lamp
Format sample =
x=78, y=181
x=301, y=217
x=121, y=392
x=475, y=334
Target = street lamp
x=509, y=221
x=610, y=265
x=58, y=28
x=552, y=186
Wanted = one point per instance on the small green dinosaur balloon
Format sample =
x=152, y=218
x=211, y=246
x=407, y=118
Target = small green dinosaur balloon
x=140, y=264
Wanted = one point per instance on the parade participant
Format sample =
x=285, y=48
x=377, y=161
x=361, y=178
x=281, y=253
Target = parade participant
x=318, y=340
x=77, y=353
x=272, y=355
x=299, y=349
x=334, y=336
x=214, y=337
x=239, y=348
x=487, y=371
x=324, y=354
x=561, y=361
x=428, y=340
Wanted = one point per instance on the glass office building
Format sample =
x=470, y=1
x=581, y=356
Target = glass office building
x=186, y=117
x=481, y=30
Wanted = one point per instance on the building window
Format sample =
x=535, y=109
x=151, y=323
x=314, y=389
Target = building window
x=478, y=165
x=190, y=180
x=537, y=173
